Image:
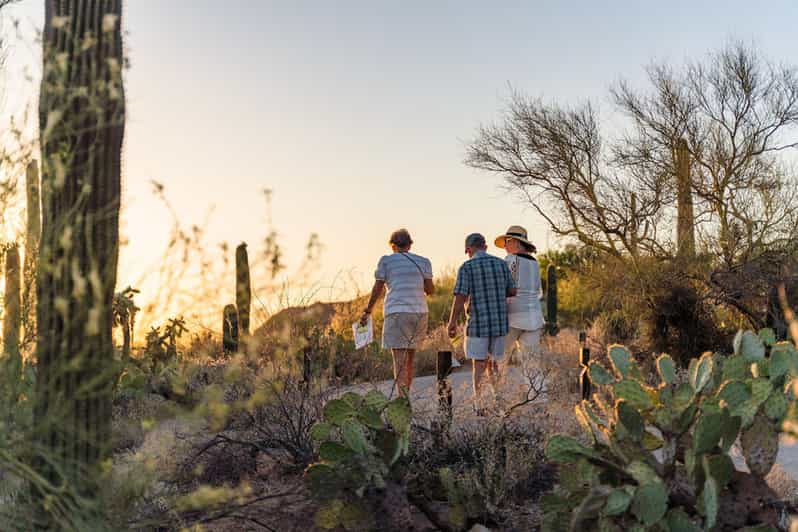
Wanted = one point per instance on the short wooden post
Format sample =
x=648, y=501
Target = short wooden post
x=584, y=362
x=442, y=370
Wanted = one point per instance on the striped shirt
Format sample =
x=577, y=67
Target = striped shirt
x=485, y=279
x=404, y=275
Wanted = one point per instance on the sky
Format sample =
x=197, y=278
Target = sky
x=356, y=114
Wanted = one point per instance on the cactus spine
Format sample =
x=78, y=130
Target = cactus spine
x=82, y=125
x=243, y=289
x=33, y=234
x=230, y=329
x=685, y=224
x=551, y=300
x=11, y=304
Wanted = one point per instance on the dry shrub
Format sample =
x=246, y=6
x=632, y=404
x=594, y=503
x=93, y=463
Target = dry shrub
x=485, y=472
x=680, y=322
x=615, y=327
x=130, y=412
x=272, y=421
x=224, y=463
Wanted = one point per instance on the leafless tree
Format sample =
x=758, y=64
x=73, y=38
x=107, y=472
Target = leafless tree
x=736, y=112
x=556, y=157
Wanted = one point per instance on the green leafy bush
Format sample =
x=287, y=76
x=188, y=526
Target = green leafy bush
x=361, y=439
x=657, y=457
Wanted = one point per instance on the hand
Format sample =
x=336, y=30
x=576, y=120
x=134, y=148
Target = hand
x=452, y=330
x=364, y=319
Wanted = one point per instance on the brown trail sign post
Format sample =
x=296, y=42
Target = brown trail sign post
x=442, y=370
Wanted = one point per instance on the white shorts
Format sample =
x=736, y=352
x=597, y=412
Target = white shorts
x=528, y=341
x=482, y=348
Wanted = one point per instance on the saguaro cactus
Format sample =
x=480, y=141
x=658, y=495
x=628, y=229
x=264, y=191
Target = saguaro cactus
x=243, y=289
x=32, y=236
x=230, y=329
x=82, y=124
x=685, y=223
x=551, y=300
x=11, y=304
x=633, y=226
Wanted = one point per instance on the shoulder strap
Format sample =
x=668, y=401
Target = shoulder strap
x=414, y=264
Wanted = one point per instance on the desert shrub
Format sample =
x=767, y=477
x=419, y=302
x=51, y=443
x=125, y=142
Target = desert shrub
x=361, y=440
x=615, y=326
x=578, y=301
x=273, y=417
x=440, y=303
x=481, y=473
x=204, y=346
x=615, y=481
x=129, y=415
x=678, y=321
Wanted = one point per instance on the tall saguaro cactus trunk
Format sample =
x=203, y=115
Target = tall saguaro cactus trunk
x=243, y=290
x=230, y=329
x=11, y=307
x=685, y=223
x=32, y=236
x=82, y=124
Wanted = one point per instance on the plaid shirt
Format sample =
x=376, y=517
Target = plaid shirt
x=485, y=279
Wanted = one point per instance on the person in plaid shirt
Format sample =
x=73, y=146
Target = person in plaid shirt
x=485, y=282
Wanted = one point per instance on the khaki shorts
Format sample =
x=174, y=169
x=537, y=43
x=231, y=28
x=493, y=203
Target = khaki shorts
x=527, y=342
x=404, y=330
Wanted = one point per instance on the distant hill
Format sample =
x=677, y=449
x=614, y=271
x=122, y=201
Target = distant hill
x=320, y=314
x=297, y=320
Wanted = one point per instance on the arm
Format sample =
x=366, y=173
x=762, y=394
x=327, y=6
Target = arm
x=376, y=292
x=511, y=287
x=429, y=287
x=457, y=311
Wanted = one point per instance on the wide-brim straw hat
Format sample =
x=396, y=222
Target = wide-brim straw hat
x=514, y=231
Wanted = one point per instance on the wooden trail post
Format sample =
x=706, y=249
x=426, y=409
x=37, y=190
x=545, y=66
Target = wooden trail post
x=442, y=370
x=584, y=361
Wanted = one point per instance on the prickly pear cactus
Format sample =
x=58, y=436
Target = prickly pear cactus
x=760, y=443
x=613, y=480
x=361, y=439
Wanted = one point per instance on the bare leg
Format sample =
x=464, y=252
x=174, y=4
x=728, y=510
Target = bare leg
x=409, y=369
x=480, y=369
x=400, y=374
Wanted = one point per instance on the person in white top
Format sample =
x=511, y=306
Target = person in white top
x=408, y=278
x=523, y=309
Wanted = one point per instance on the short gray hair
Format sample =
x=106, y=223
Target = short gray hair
x=475, y=240
x=400, y=238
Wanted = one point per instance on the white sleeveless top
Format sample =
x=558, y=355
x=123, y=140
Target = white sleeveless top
x=524, y=309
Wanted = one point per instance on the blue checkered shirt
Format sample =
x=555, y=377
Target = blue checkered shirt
x=485, y=279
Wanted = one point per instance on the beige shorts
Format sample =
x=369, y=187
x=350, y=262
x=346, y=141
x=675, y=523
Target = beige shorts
x=528, y=342
x=404, y=330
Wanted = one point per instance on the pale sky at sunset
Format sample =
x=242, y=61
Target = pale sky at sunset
x=355, y=113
